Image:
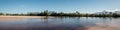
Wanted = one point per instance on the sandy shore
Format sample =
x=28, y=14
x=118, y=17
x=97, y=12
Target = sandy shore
x=18, y=17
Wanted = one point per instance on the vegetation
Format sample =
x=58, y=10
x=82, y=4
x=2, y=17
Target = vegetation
x=1, y=13
x=52, y=13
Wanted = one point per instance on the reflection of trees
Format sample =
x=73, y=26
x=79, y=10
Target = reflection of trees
x=61, y=18
x=46, y=19
x=106, y=21
x=78, y=19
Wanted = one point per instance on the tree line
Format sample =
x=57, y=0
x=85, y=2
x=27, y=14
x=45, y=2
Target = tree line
x=52, y=13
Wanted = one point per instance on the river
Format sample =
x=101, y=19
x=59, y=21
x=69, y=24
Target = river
x=63, y=23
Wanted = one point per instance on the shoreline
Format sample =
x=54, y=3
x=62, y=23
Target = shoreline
x=18, y=17
x=25, y=17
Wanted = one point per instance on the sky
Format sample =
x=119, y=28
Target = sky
x=67, y=6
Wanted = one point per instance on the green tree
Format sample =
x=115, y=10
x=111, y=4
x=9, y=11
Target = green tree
x=46, y=13
x=1, y=14
x=61, y=14
x=77, y=12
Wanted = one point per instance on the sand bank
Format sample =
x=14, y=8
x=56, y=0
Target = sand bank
x=18, y=17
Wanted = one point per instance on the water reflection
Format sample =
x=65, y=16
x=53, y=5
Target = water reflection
x=63, y=23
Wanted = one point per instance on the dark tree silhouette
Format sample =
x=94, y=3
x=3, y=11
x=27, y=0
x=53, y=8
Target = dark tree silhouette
x=52, y=13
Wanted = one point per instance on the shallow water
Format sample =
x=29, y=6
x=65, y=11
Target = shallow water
x=62, y=23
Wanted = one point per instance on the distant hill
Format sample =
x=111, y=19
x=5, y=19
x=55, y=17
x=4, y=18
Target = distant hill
x=106, y=12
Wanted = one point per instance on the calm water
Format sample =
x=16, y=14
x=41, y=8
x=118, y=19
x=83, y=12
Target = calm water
x=62, y=23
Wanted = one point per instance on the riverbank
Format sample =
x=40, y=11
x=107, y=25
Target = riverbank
x=18, y=17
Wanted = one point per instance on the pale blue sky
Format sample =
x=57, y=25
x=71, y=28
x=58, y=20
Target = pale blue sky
x=83, y=6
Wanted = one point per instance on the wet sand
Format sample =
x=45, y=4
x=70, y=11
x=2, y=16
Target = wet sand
x=18, y=17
